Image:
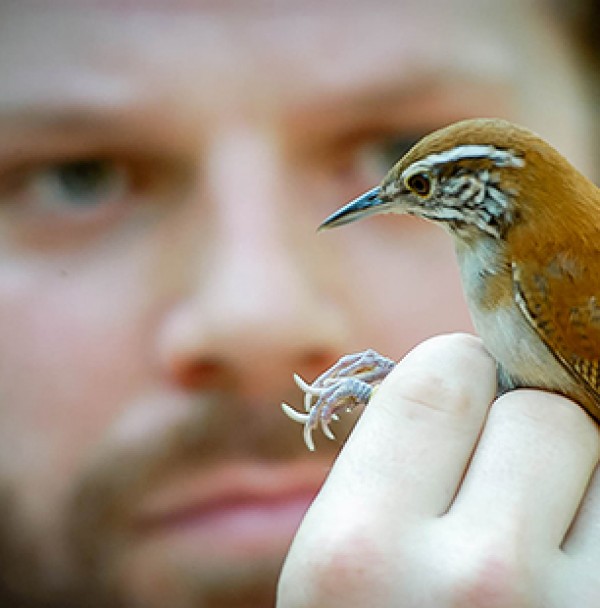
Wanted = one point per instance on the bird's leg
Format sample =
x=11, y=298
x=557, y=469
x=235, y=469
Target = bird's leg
x=344, y=386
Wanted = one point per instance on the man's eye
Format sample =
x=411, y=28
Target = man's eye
x=67, y=201
x=79, y=184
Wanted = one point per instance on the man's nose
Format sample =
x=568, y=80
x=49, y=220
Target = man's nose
x=259, y=309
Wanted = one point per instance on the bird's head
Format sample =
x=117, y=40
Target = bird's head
x=467, y=177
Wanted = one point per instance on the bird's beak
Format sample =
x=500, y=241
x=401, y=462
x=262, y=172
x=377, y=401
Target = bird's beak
x=368, y=203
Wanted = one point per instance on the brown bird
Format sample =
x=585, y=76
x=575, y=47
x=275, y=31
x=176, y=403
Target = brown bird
x=526, y=229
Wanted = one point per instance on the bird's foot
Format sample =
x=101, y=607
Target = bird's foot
x=344, y=386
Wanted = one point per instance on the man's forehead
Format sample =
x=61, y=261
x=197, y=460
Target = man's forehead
x=262, y=7
x=362, y=23
x=172, y=46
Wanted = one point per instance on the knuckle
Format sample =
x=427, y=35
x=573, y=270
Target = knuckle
x=346, y=565
x=493, y=575
x=450, y=373
x=551, y=411
x=467, y=344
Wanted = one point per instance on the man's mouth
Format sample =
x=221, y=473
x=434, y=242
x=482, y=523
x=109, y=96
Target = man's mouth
x=238, y=508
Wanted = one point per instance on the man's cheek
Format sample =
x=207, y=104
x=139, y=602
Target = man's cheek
x=63, y=381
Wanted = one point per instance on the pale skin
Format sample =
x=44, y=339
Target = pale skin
x=150, y=325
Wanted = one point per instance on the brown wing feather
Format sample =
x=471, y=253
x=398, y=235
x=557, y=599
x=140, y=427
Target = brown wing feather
x=561, y=301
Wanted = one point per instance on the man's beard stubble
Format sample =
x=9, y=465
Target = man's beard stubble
x=99, y=518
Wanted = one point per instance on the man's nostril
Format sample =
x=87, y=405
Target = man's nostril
x=205, y=373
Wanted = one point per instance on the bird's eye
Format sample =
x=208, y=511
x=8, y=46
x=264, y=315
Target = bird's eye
x=419, y=183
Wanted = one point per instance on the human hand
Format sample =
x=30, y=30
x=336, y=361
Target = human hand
x=438, y=500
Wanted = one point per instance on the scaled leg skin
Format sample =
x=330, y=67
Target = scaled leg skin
x=346, y=385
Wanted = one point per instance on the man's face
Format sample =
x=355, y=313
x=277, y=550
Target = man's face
x=162, y=172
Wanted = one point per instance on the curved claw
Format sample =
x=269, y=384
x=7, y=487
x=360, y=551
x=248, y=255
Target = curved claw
x=309, y=391
x=326, y=430
x=306, y=387
x=295, y=415
x=308, y=440
x=309, y=421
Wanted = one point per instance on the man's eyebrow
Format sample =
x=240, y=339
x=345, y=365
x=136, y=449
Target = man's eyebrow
x=394, y=90
x=106, y=125
x=69, y=118
x=429, y=78
x=397, y=94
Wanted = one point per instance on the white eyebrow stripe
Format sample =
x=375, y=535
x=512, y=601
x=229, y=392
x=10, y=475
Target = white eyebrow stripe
x=501, y=158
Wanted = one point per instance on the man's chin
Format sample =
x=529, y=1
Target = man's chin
x=159, y=574
x=211, y=556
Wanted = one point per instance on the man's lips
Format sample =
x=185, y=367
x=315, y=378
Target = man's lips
x=241, y=504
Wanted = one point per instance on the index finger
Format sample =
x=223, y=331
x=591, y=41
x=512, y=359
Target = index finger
x=409, y=451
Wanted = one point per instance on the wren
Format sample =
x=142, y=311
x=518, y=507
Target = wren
x=526, y=230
